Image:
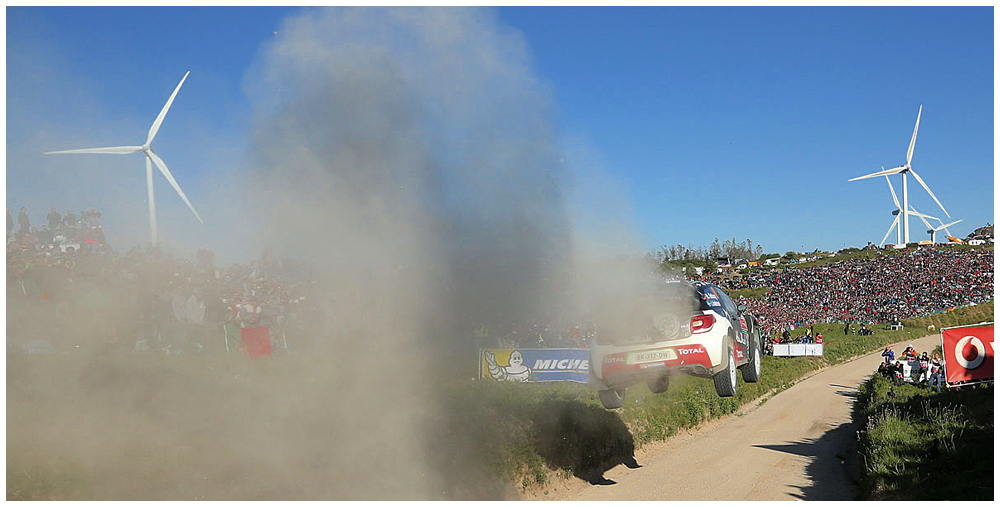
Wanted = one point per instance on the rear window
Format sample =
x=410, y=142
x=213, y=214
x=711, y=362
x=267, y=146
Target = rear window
x=684, y=297
x=710, y=298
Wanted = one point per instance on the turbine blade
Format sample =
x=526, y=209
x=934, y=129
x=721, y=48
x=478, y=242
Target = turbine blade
x=891, y=227
x=913, y=211
x=928, y=189
x=166, y=174
x=163, y=112
x=913, y=140
x=923, y=218
x=114, y=150
x=944, y=226
x=894, y=199
x=894, y=170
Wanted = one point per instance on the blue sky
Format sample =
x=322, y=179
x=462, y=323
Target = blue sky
x=712, y=122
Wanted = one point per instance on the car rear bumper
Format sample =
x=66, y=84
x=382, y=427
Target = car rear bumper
x=613, y=366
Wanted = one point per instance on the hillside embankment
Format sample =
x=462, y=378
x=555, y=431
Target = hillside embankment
x=918, y=445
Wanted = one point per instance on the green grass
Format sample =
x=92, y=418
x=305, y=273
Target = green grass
x=921, y=445
x=757, y=293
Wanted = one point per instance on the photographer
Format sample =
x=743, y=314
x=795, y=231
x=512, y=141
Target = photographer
x=889, y=355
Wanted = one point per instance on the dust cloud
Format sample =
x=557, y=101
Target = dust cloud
x=411, y=158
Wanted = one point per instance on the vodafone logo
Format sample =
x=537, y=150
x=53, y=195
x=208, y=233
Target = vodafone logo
x=965, y=348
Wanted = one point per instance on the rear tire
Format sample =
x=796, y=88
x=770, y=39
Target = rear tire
x=659, y=384
x=612, y=398
x=725, y=380
x=751, y=370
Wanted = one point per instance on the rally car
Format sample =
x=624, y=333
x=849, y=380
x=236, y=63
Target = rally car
x=690, y=328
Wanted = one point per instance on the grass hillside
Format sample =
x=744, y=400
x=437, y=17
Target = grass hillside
x=920, y=445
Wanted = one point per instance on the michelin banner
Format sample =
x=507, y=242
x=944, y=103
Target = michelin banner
x=534, y=365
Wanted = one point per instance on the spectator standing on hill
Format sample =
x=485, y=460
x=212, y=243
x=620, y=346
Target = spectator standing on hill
x=69, y=220
x=93, y=217
x=937, y=373
x=22, y=221
x=54, y=218
x=45, y=236
x=10, y=222
x=922, y=374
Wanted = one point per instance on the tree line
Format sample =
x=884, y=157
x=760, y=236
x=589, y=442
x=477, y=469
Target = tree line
x=680, y=257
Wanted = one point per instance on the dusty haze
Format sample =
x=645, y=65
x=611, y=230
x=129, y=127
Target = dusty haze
x=411, y=156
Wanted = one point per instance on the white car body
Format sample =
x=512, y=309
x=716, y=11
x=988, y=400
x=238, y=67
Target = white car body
x=694, y=340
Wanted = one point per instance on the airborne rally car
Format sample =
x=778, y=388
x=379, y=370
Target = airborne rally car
x=690, y=328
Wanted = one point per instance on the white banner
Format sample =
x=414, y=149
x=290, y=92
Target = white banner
x=798, y=349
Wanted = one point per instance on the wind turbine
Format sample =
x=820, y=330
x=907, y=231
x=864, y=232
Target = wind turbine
x=903, y=169
x=898, y=211
x=934, y=230
x=151, y=158
x=923, y=218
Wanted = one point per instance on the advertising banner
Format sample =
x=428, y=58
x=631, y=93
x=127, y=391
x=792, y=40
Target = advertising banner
x=798, y=349
x=256, y=340
x=968, y=353
x=534, y=365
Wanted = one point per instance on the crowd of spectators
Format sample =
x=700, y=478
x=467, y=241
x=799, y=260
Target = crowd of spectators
x=70, y=231
x=71, y=287
x=859, y=293
x=550, y=333
x=881, y=290
x=145, y=296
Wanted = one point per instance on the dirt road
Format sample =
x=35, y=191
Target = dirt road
x=798, y=445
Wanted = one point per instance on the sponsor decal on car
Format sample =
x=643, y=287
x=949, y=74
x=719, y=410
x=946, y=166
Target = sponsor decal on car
x=743, y=339
x=698, y=349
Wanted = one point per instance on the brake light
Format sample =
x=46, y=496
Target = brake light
x=702, y=323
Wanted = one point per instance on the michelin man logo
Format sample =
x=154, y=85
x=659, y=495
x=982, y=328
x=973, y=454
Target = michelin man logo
x=515, y=371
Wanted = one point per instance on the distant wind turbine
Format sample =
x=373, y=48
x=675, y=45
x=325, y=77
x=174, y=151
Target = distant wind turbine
x=934, y=230
x=904, y=169
x=150, y=157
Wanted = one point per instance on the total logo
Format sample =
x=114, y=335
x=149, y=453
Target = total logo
x=963, y=356
x=614, y=359
x=685, y=352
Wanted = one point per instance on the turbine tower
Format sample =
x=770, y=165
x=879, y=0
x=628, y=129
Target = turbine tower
x=151, y=158
x=904, y=169
x=899, y=211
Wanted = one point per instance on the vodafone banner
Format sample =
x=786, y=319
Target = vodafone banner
x=968, y=353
